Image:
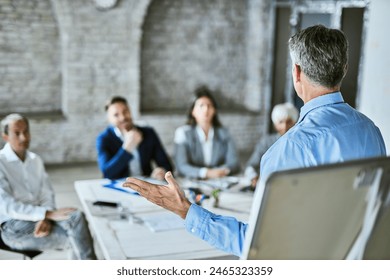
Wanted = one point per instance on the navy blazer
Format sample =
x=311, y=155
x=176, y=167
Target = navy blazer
x=113, y=160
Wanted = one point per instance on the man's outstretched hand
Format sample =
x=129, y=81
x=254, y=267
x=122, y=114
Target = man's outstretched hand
x=170, y=197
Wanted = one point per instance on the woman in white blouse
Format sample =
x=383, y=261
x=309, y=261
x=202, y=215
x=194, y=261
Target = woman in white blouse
x=203, y=147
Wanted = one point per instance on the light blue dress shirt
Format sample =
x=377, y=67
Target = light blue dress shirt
x=135, y=163
x=328, y=131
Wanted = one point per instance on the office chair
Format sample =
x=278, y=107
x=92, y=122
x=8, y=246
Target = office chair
x=26, y=253
x=329, y=212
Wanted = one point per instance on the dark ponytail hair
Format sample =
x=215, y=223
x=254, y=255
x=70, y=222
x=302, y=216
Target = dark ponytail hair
x=203, y=91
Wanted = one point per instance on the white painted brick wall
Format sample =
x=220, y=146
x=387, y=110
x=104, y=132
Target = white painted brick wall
x=86, y=55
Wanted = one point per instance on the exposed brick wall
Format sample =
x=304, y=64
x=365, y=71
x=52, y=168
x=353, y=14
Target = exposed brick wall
x=96, y=54
x=189, y=43
x=29, y=57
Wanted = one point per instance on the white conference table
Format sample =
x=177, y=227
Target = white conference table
x=142, y=230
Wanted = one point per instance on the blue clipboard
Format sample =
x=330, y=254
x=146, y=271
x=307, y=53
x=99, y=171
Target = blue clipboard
x=117, y=185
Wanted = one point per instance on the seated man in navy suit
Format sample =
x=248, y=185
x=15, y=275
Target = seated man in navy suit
x=128, y=150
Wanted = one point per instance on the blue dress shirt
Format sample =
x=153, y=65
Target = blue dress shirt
x=328, y=131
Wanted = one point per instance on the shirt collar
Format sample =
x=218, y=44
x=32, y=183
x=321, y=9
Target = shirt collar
x=323, y=100
x=10, y=155
x=202, y=135
x=118, y=132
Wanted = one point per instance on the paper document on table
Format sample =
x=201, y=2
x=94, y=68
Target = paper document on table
x=218, y=183
x=138, y=242
x=163, y=222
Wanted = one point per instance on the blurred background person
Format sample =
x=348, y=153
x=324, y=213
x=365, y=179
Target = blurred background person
x=29, y=218
x=125, y=149
x=203, y=147
x=284, y=116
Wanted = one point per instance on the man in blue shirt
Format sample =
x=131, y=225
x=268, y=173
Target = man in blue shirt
x=328, y=131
